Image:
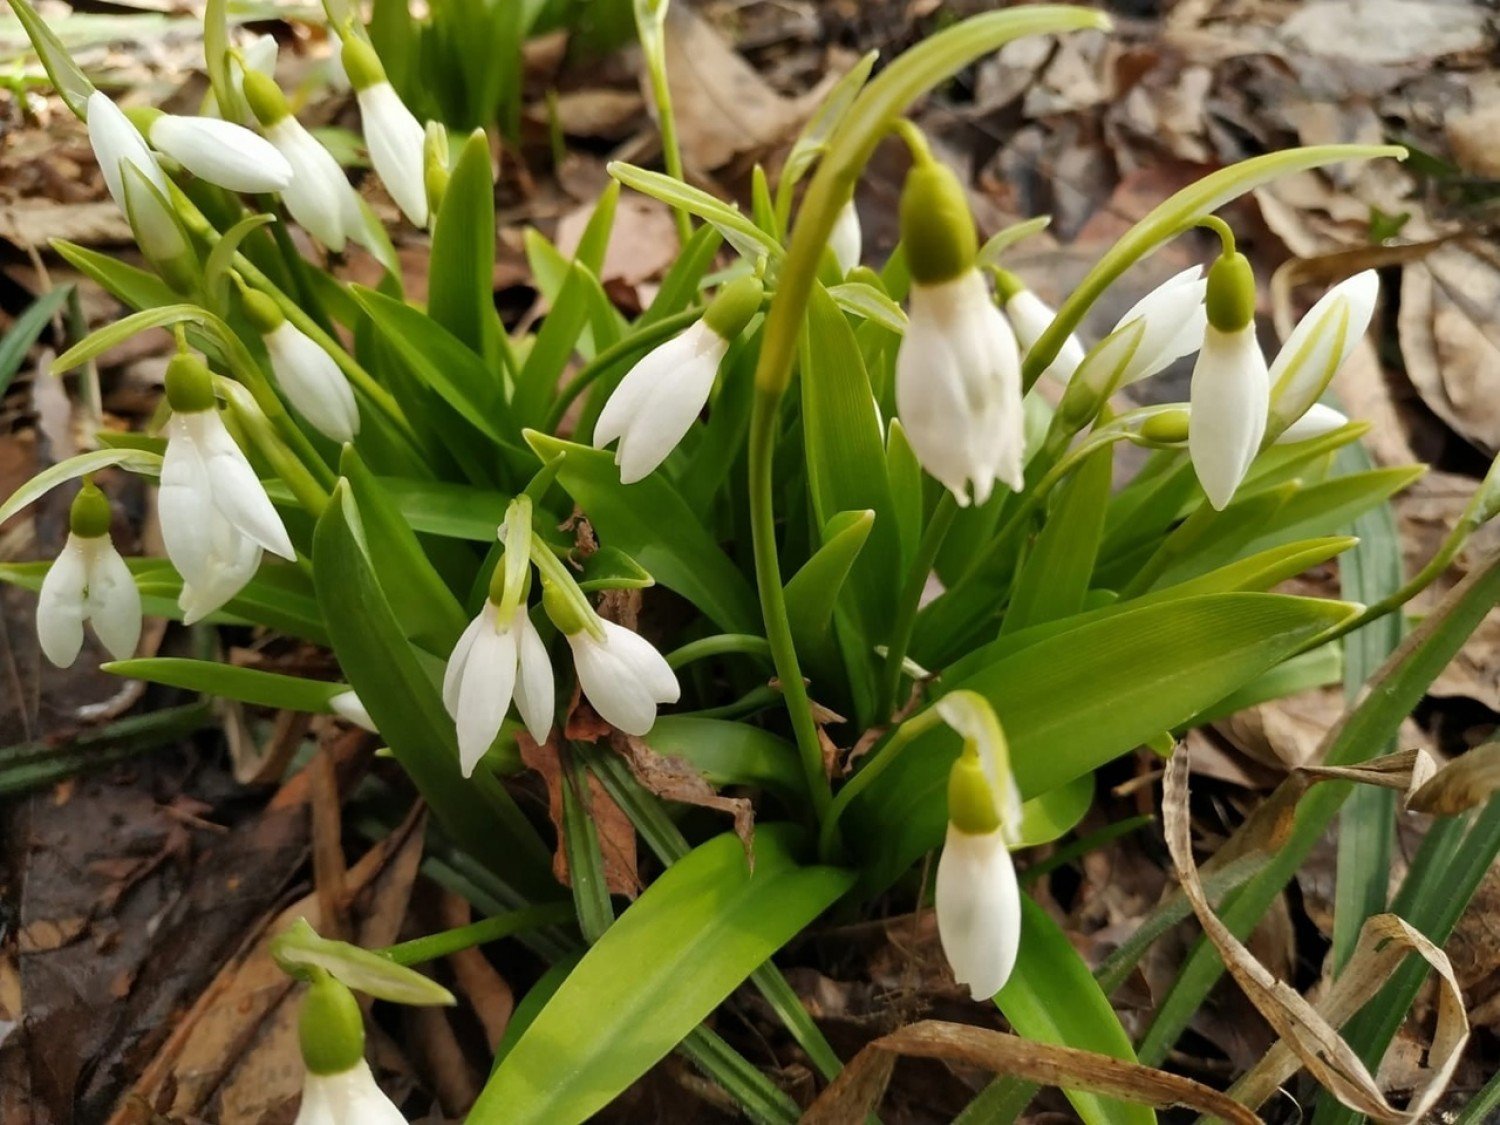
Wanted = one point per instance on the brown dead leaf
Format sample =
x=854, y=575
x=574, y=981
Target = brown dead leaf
x=488, y=993
x=676, y=780
x=603, y=113
x=1467, y=781
x=860, y=1085
x=642, y=243
x=1386, y=32
x=616, y=833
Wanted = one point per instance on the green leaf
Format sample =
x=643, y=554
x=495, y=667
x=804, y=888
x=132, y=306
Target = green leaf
x=132, y=460
x=594, y=241
x=138, y=288
x=1055, y=576
x=71, y=84
x=813, y=139
x=667, y=962
x=1335, y=504
x=24, y=332
x=447, y=508
x=1002, y=240
x=1052, y=997
x=813, y=590
x=1054, y=813
x=365, y=971
x=633, y=518
x=117, y=332
x=461, y=269
x=581, y=320
x=741, y=233
x=221, y=257
x=404, y=702
x=729, y=753
x=869, y=303
x=680, y=288
x=1147, y=670
x=248, y=685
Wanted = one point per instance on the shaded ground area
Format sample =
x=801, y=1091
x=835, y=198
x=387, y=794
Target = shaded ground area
x=137, y=896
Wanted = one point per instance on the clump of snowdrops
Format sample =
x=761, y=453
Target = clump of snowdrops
x=776, y=458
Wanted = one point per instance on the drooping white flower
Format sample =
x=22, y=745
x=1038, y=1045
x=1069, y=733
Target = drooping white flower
x=1172, y=320
x=494, y=663
x=393, y=135
x=89, y=583
x=349, y=1097
x=222, y=153
x=1231, y=389
x=847, y=239
x=656, y=403
x=215, y=515
x=1316, y=421
x=1317, y=347
x=115, y=141
x=306, y=374
x=350, y=707
x=316, y=195
x=976, y=896
x=1030, y=316
x=958, y=388
x=623, y=676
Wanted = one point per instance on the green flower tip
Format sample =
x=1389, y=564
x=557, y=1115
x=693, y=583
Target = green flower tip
x=562, y=610
x=265, y=98
x=362, y=64
x=190, y=387
x=732, y=308
x=1170, y=427
x=937, y=229
x=89, y=516
x=263, y=313
x=971, y=804
x=330, y=1028
x=1230, y=301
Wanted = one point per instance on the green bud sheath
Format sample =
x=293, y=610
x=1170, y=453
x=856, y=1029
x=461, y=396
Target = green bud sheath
x=190, y=387
x=330, y=1028
x=263, y=313
x=89, y=516
x=362, y=64
x=1170, y=427
x=1007, y=284
x=732, y=308
x=936, y=227
x=971, y=805
x=1230, y=302
x=265, y=98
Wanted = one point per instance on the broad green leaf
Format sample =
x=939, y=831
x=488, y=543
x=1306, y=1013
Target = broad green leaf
x=1315, y=668
x=1335, y=504
x=869, y=303
x=741, y=233
x=24, y=332
x=138, y=288
x=1052, y=997
x=813, y=590
x=1055, y=576
x=248, y=685
x=71, y=84
x=447, y=508
x=609, y=568
x=461, y=269
x=402, y=697
x=729, y=753
x=905, y=473
x=1146, y=670
x=132, y=460
x=667, y=962
x=1055, y=813
x=632, y=518
x=363, y=970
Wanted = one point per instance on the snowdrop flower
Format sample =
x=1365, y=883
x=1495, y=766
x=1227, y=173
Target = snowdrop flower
x=220, y=152
x=306, y=374
x=116, y=142
x=89, y=582
x=1030, y=316
x=1316, y=421
x=977, y=899
x=1172, y=323
x=351, y=708
x=499, y=657
x=317, y=195
x=847, y=239
x=623, y=676
x=1317, y=348
x=339, y=1088
x=215, y=516
x=958, y=371
x=394, y=136
x=659, y=398
x=1231, y=388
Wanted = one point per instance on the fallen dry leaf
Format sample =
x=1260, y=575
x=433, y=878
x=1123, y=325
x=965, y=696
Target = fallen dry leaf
x=675, y=780
x=615, y=831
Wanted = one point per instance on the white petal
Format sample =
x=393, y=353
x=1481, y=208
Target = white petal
x=668, y=413
x=1320, y=343
x=350, y=1098
x=1029, y=316
x=315, y=196
x=644, y=664
x=1230, y=395
x=232, y=563
x=350, y=707
x=535, y=690
x=634, y=391
x=1174, y=320
x=60, y=605
x=1317, y=421
x=184, y=502
x=484, y=694
x=114, y=140
x=313, y=383
x=978, y=910
x=847, y=239
x=114, y=602
x=395, y=139
x=454, y=674
x=259, y=54
x=236, y=490
x=222, y=153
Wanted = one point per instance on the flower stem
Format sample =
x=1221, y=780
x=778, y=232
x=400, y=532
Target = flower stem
x=652, y=33
x=718, y=645
x=880, y=760
x=430, y=948
x=910, y=598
